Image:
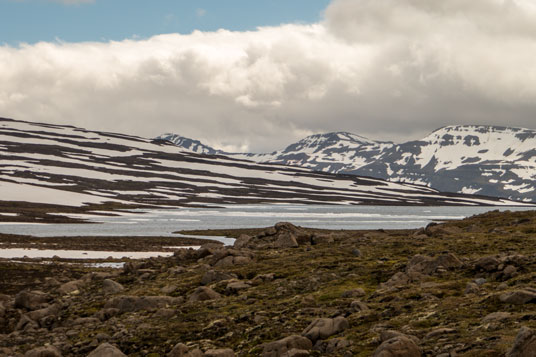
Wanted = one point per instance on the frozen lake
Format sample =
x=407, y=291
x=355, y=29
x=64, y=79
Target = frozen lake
x=164, y=222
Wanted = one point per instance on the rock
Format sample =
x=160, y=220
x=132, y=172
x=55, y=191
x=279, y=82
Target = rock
x=47, y=351
x=242, y=241
x=234, y=287
x=263, y=278
x=212, y=276
x=480, y=281
x=286, y=240
x=282, y=348
x=332, y=345
x=496, y=316
x=439, y=332
x=509, y=272
x=524, y=344
x=222, y=352
x=106, y=314
x=31, y=300
x=26, y=323
x=71, y=287
x=386, y=335
x=518, y=297
x=181, y=350
x=128, y=303
x=202, y=294
x=231, y=261
x=111, y=287
x=426, y=265
x=356, y=252
x=353, y=293
x=358, y=305
x=168, y=289
x=471, y=288
x=488, y=264
x=400, y=346
x=324, y=327
x=398, y=279
x=106, y=350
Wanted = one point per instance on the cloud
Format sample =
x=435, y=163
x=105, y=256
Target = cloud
x=388, y=69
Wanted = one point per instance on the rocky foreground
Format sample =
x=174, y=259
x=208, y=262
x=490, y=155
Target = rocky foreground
x=462, y=288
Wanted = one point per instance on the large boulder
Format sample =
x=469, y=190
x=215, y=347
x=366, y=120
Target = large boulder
x=399, y=346
x=519, y=297
x=111, y=287
x=427, y=265
x=524, y=344
x=283, y=347
x=71, y=287
x=203, y=294
x=181, y=350
x=323, y=328
x=212, y=276
x=127, y=303
x=282, y=235
x=106, y=350
x=221, y=352
x=31, y=300
x=47, y=351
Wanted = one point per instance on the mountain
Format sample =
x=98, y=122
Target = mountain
x=65, y=165
x=488, y=160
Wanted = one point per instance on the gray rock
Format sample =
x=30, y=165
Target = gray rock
x=488, y=264
x=234, y=287
x=212, y=276
x=509, y=272
x=286, y=240
x=496, y=317
x=358, y=305
x=136, y=303
x=31, y=300
x=471, y=288
x=283, y=347
x=518, y=297
x=222, y=352
x=202, y=294
x=181, y=350
x=353, y=293
x=400, y=346
x=111, y=287
x=426, y=265
x=524, y=344
x=47, y=351
x=71, y=287
x=242, y=241
x=323, y=328
x=106, y=350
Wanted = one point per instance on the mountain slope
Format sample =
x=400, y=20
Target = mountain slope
x=488, y=160
x=71, y=166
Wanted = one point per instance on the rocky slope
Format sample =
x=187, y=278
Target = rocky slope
x=63, y=165
x=488, y=160
x=463, y=288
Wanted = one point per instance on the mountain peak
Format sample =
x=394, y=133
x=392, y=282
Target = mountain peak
x=187, y=143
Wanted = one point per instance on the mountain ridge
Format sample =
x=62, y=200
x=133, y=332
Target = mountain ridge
x=486, y=159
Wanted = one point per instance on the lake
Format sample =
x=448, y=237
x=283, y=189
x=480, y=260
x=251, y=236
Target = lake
x=162, y=222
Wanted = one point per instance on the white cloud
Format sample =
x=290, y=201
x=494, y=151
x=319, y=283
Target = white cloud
x=384, y=68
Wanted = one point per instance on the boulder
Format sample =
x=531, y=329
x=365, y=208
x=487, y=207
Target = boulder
x=71, y=287
x=111, y=287
x=518, y=297
x=524, y=344
x=222, y=352
x=212, y=276
x=202, y=294
x=106, y=350
x=234, y=287
x=127, y=303
x=31, y=300
x=427, y=265
x=283, y=347
x=488, y=264
x=323, y=328
x=399, y=346
x=354, y=293
x=286, y=240
x=242, y=241
x=47, y=351
x=181, y=350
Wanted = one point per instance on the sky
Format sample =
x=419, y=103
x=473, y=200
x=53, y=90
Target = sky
x=244, y=75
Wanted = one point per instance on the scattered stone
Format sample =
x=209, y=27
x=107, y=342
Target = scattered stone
x=168, y=289
x=518, y=297
x=399, y=346
x=282, y=348
x=439, y=332
x=106, y=350
x=202, y=294
x=72, y=287
x=234, y=287
x=480, y=281
x=47, y=351
x=242, y=241
x=354, y=293
x=225, y=352
x=136, y=303
x=509, y=272
x=212, y=276
x=332, y=345
x=358, y=305
x=524, y=344
x=488, y=264
x=111, y=287
x=323, y=328
x=496, y=317
x=31, y=300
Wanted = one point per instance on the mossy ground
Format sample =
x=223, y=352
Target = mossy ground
x=309, y=282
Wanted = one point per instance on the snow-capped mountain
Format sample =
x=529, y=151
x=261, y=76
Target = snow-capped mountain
x=488, y=160
x=188, y=144
x=65, y=165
